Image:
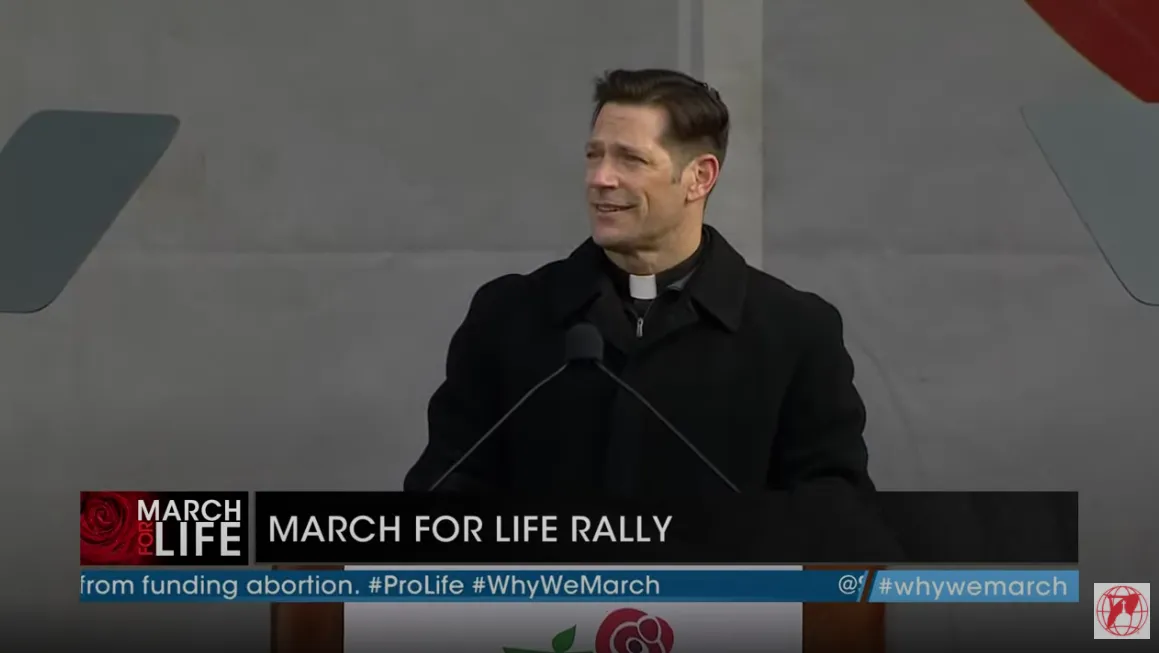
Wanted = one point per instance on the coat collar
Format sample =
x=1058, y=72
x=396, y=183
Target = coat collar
x=718, y=285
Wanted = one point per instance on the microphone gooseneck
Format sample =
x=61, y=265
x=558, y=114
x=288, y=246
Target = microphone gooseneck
x=671, y=427
x=495, y=427
x=586, y=343
x=582, y=342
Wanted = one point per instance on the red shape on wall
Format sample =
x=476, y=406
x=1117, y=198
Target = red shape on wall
x=1119, y=37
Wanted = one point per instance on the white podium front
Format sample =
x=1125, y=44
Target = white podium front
x=531, y=627
x=484, y=628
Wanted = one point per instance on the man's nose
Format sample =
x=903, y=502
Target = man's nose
x=601, y=175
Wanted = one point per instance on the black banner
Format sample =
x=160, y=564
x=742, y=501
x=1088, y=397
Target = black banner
x=815, y=527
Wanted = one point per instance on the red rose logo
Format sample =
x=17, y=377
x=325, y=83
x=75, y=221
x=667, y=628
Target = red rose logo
x=109, y=528
x=632, y=631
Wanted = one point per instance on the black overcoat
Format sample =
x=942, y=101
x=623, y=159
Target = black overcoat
x=752, y=371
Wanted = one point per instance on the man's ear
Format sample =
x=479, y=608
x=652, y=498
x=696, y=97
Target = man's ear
x=703, y=170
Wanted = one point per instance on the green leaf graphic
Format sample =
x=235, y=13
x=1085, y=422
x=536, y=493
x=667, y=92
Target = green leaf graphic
x=562, y=642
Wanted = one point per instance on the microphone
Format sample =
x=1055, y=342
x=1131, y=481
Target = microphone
x=585, y=343
x=577, y=347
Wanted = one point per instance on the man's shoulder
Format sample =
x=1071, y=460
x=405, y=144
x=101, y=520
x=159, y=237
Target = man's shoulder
x=774, y=298
x=497, y=296
x=516, y=288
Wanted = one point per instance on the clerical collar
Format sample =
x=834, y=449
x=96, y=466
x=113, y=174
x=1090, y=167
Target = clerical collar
x=642, y=287
x=648, y=287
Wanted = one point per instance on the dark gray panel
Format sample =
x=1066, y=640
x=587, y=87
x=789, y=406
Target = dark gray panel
x=64, y=177
x=1106, y=156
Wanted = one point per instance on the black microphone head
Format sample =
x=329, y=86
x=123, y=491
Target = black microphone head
x=584, y=343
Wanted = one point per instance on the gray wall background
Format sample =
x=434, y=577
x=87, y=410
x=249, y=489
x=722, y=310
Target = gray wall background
x=347, y=173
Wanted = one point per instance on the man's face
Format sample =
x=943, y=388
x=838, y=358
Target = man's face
x=636, y=195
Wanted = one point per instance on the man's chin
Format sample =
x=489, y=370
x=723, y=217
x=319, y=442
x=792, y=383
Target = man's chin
x=611, y=239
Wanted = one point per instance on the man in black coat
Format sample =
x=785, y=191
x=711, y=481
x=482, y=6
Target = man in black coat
x=752, y=371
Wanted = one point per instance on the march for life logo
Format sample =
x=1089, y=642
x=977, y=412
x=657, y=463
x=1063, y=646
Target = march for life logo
x=626, y=630
x=1122, y=611
x=164, y=528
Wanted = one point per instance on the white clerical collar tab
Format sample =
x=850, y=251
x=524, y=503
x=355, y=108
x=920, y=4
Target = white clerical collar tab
x=642, y=287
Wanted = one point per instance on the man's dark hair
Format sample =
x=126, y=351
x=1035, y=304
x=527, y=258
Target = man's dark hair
x=697, y=117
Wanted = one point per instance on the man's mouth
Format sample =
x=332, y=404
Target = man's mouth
x=611, y=208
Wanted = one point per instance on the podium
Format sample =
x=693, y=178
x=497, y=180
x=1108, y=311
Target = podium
x=388, y=627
